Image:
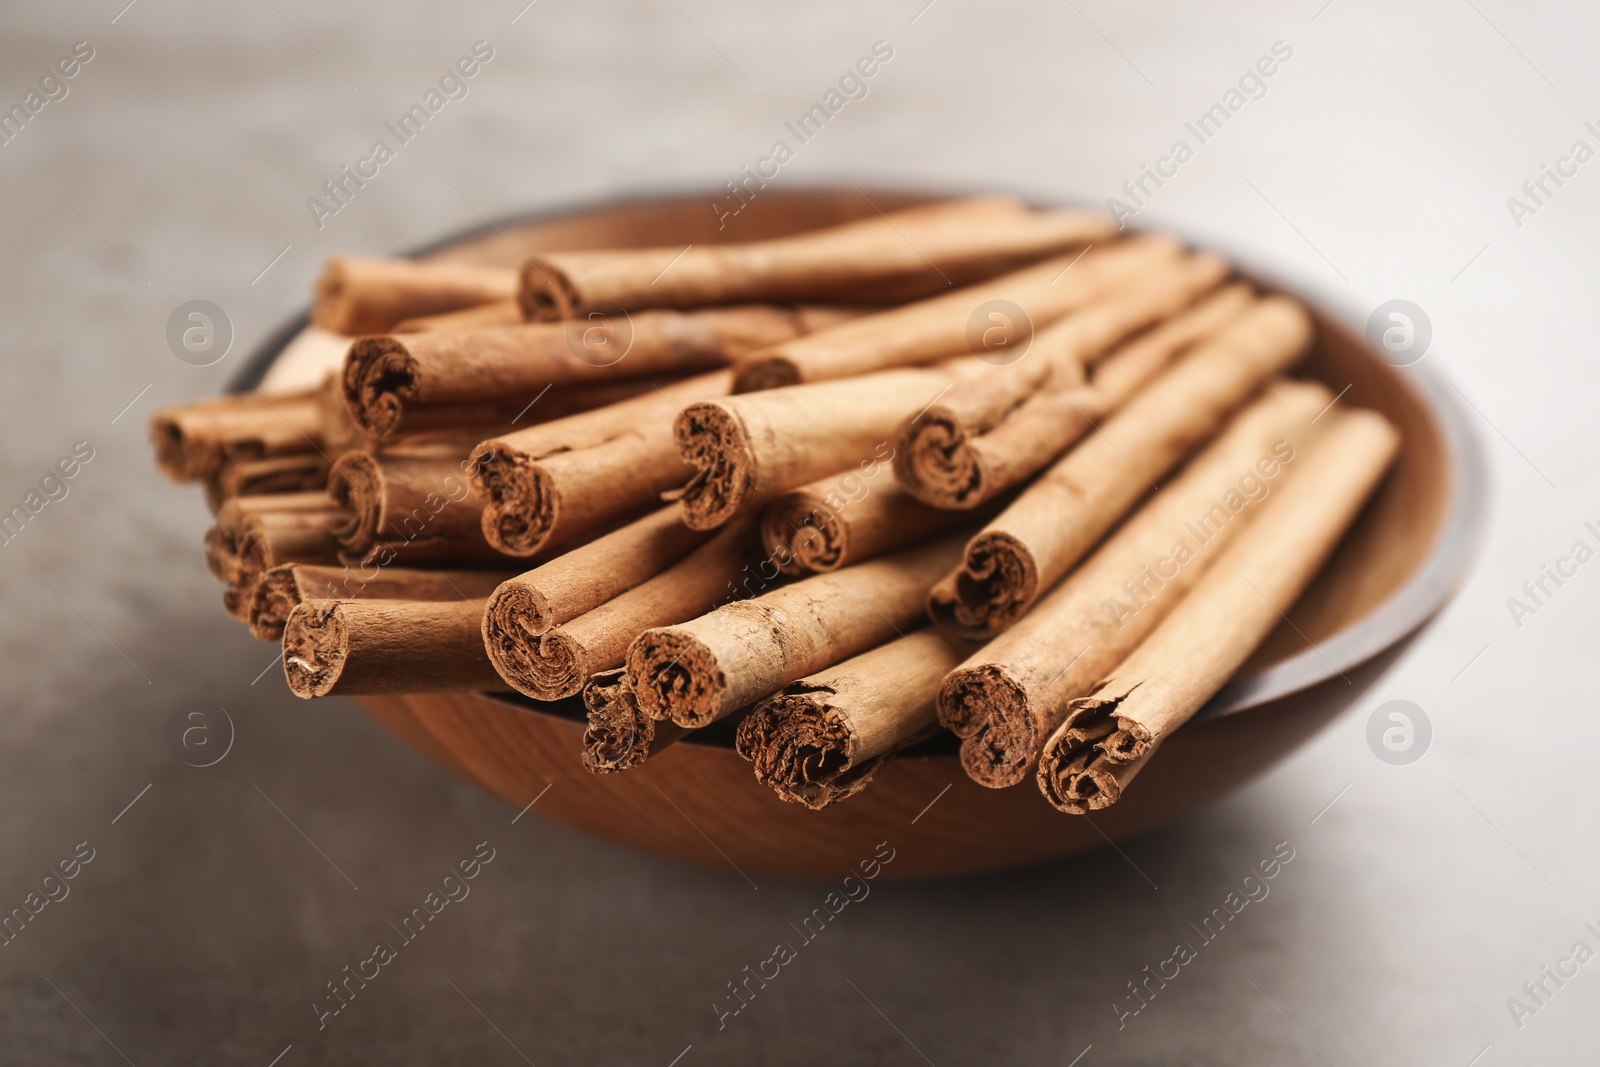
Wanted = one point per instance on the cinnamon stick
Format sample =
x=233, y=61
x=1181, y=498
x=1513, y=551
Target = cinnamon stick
x=1109, y=736
x=551, y=663
x=846, y=518
x=550, y=483
x=1083, y=337
x=304, y=472
x=415, y=508
x=747, y=450
x=1050, y=525
x=360, y=295
x=618, y=736
x=387, y=379
x=500, y=313
x=1009, y=697
x=954, y=323
x=193, y=441
x=277, y=537
x=992, y=434
x=880, y=259
x=581, y=580
x=356, y=647
x=700, y=671
x=508, y=414
x=288, y=585
x=226, y=534
x=819, y=740
x=1131, y=366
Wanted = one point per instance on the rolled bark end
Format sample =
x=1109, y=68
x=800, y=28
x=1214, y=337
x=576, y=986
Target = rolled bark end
x=522, y=504
x=765, y=372
x=822, y=546
x=1073, y=775
x=315, y=644
x=379, y=378
x=803, y=536
x=619, y=736
x=271, y=602
x=995, y=583
x=712, y=441
x=545, y=294
x=195, y=441
x=513, y=622
x=801, y=749
x=176, y=456
x=255, y=556
x=676, y=677
x=933, y=461
x=356, y=484
x=998, y=755
x=1080, y=785
x=558, y=668
x=990, y=712
x=221, y=549
x=1131, y=742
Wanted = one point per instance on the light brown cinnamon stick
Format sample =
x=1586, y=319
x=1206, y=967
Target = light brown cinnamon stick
x=277, y=537
x=846, y=518
x=303, y=472
x=1050, y=525
x=360, y=295
x=551, y=663
x=418, y=508
x=980, y=319
x=193, y=441
x=700, y=671
x=493, y=417
x=820, y=740
x=1110, y=735
x=288, y=585
x=992, y=434
x=390, y=382
x=226, y=534
x=747, y=450
x=581, y=580
x=1010, y=696
x=881, y=259
x=550, y=483
x=499, y=313
x=1129, y=368
x=355, y=647
x=1084, y=337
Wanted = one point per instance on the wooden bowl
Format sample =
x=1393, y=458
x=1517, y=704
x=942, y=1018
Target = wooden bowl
x=699, y=801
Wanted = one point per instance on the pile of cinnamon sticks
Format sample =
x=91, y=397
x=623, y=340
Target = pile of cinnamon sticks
x=969, y=467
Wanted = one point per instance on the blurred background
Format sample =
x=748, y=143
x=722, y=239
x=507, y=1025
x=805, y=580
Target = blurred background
x=1377, y=162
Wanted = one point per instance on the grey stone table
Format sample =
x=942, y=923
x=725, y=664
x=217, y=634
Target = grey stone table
x=1396, y=151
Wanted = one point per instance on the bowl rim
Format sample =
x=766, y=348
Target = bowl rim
x=1399, y=615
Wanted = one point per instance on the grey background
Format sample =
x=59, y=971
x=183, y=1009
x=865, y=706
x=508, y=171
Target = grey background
x=1377, y=166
